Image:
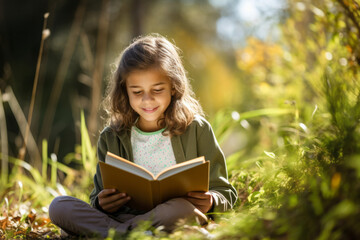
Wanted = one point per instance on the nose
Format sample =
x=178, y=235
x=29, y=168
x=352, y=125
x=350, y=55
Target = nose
x=147, y=97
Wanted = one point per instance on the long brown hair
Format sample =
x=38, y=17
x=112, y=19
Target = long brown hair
x=152, y=51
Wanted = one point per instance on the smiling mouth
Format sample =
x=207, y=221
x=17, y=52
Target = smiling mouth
x=150, y=110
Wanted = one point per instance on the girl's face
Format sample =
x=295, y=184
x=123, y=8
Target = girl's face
x=149, y=94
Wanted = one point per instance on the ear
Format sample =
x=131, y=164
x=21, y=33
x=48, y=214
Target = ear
x=172, y=91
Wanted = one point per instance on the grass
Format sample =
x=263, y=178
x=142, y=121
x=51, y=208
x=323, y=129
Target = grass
x=24, y=212
x=304, y=186
x=297, y=173
x=26, y=197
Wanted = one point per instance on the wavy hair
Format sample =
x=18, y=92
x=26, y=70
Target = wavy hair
x=152, y=51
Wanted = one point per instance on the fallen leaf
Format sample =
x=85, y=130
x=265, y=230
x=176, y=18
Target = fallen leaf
x=3, y=222
x=31, y=217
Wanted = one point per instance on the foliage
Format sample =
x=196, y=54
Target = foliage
x=296, y=165
x=313, y=190
x=29, y=192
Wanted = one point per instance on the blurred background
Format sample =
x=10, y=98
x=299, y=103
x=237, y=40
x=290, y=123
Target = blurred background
x=87, y=36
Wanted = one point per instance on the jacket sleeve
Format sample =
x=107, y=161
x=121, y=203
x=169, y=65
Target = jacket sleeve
x=224, y=194
x=98, y=185
x=108, y=141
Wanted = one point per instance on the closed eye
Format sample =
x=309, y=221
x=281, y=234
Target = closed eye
x=158, y=90
x=136, y=92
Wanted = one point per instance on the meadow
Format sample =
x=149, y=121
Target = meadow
x=293, y=153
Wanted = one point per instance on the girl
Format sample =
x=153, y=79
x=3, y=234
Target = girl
x=154, y=121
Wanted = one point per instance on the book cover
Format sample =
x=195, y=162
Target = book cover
x=145, y=189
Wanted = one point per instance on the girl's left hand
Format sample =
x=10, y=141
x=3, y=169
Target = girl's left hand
x=201, y=200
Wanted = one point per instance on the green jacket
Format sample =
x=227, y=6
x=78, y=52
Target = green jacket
x=198, y=140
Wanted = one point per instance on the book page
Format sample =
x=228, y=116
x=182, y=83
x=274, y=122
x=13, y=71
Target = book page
x=128, y=166
x=179, y=168
x=178, y=185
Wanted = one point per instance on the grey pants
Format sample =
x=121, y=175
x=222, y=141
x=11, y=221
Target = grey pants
x=76, y=217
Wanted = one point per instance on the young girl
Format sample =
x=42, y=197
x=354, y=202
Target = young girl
x=155, y=122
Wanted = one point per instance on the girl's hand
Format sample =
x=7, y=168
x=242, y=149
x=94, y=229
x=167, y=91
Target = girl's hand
x=201, y=200
x=111, y=201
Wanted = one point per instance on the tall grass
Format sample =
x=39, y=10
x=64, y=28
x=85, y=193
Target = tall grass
x=62, y=70
x=305, y=187
x=45, y=34
x=30, y=189
x=3, y=144
x=297, y=177
x=40, y=186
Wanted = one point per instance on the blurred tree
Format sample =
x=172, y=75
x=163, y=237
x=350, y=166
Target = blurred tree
x=70, y=55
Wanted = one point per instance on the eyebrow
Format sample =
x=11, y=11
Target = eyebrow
x=156, y=84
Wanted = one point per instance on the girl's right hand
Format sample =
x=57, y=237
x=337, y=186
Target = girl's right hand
x=111, y=201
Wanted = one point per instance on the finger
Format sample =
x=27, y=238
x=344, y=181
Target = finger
x=204, y=208
x=121, y=202
x=198, y=202
x=115, y=197
x=112, y=207
x=106, y=192
x=199, y=195
x=203, y=205
x=111, y=198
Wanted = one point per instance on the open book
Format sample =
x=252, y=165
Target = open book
x=145, y=189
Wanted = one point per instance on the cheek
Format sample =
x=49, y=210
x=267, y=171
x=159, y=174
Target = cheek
x=133, y=101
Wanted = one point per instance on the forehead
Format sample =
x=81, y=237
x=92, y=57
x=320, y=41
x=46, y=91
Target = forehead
x=149, y=77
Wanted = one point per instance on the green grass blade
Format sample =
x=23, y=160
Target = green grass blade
x=53, y=169
x=33, y=171
x=265, y=112
x=83, y=146
x=3, y=145
x=44, y=159
x=87, y=150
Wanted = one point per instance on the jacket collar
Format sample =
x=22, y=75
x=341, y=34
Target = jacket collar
x=124, y=136
x=178, y=149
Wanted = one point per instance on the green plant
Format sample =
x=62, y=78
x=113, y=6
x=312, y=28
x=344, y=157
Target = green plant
x=24, y=211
